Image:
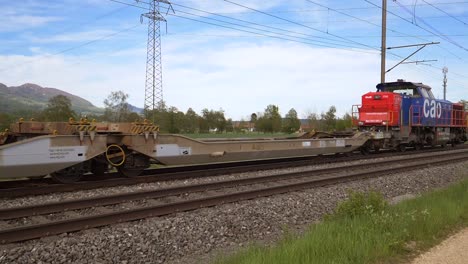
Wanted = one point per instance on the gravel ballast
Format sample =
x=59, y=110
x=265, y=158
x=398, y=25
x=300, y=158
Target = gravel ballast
x=192, y=237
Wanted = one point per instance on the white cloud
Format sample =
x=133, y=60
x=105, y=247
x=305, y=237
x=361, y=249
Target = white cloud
x=14, y=22
x=73, y=37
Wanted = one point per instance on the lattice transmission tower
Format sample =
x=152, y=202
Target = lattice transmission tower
x=153, y=82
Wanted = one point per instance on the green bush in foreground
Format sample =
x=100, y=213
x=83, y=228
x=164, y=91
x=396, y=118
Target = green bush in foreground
x=360, y=204
x=365, y=229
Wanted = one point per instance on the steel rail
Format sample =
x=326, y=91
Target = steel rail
x=81, y=223
x=27, y=211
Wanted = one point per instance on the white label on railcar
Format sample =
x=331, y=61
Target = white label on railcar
x=170, y=150
x=66, y=153
x=185, y=151
x=340, y=143
x=306, y=144
x=39, y=152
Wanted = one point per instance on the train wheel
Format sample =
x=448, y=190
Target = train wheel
x=98, y=168
x=418, y=146
x=130, y=172
x=402, y=148
x=377, y=149
x=69, y=175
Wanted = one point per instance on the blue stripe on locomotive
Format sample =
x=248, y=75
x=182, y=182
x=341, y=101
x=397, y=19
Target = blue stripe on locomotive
x=426, y=112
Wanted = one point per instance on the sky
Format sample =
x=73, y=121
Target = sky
x=236, y=55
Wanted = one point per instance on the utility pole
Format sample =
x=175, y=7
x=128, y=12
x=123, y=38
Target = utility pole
x=153, y=83
x=445, y=71
x=384, y=41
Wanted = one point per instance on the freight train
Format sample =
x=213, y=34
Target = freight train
x=398, y=115
x=405, y=114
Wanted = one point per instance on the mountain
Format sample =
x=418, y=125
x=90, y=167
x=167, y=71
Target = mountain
x=32, y=97
x=136, y=109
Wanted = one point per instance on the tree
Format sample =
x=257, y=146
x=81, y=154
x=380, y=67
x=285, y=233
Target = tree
x=314, y=122
x=329, y=118
x=116, y=107
x=229, y=125
x=175, y=120
x=58, y=109
x=5, y=121
x=270, y=121
x=253, y=121
x=291, y=122
x=213, y=120
x=190, y=121
x=344, y=123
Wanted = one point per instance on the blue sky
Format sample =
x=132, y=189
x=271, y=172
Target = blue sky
x=311, y=55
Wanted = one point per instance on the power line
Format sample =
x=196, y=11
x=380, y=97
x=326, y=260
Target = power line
x=268, y=31
x=299, y=24
x=257, y=33
x=302, y=10
x=411, y=22
x=438, y=33
x=459, y=20
x=257, y=24
x=287, y=37
x=270, y=36
x=365, y=21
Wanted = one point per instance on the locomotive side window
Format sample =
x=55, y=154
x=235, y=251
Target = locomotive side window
x=413, y=92
x=424, y=93
x=430, y=94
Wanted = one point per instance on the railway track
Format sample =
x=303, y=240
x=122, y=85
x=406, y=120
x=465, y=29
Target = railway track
x=170, y=200
x=19, y=188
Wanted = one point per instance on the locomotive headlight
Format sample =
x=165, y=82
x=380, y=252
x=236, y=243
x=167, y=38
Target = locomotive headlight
x=360, y=123
x=384, y=123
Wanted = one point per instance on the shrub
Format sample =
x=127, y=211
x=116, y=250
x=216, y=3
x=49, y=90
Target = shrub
x=360, y=204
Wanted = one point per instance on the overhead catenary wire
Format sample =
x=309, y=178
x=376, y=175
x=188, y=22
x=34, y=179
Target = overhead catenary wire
x=362, y=20
x=284, y=37
x=411, y=22
x=303, y=10
x=438, y=33
x=258, y=24
x=302, y=25
x=395, y=55
x=450, y=15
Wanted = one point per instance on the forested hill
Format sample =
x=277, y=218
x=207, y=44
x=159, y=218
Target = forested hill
x=32, y=97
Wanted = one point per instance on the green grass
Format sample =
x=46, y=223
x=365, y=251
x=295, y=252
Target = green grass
x=365, y=229
x=239, y=135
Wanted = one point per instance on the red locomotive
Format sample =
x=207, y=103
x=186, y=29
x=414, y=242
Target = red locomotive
x=406, y=114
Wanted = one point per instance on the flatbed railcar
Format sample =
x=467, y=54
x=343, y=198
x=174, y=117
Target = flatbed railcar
x=67, y=150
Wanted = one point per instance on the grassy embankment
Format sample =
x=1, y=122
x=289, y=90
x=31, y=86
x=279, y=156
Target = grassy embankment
x=365, y=229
